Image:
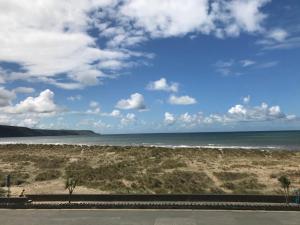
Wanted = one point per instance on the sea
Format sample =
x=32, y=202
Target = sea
x=289, y=140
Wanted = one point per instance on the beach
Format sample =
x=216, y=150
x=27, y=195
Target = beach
x=43, y=169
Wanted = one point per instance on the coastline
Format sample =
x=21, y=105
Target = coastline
x=42, y=169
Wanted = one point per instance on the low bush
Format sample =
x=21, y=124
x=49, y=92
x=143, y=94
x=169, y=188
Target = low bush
x=172, y=164
x=48, y=175
x=231, y=176
x=17, y=178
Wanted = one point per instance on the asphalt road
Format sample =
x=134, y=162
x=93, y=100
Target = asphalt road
x=146, y=217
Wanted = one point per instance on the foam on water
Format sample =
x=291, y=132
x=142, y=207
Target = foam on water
x=234, y=140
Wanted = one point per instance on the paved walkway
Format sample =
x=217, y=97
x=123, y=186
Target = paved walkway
x=146, y=217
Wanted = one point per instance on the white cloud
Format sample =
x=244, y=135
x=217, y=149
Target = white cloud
x=101, y=125
x=44, y=103
x=247, y=62
x=246, y=14
x=278, y=34
x=28, y=112
x=258, y=113
x=6, y=97
x=168, y=18
x=162, y=85
x=279, y=38
x=237, y=110
x=136, y=101
x=29, y=122
x=165, y=18
x=247, y=99
x=51, y=42
x=169, y=118
x=235, y=114
x=24, y=90
x=74, y=98
x=182, y=100
x=115, y=113
x=94, y=104
x=94, y=108
x=128, y=119
x=238, y=67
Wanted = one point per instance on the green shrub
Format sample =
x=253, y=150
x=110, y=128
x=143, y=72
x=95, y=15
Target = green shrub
x=2, y=192
x=17, y=178
x=231, y=176
x=246, y=186
x=48, y=175
x=186, y=182
x=172, y=164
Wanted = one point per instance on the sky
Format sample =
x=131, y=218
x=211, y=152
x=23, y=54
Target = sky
x=135, y=66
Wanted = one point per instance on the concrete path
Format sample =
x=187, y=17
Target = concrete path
x=146, y=217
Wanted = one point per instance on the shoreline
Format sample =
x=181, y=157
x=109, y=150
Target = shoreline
x=213, y=147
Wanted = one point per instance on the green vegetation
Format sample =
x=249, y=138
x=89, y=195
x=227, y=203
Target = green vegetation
x=48, y=175
x=70, y=185
x=245, y=186
x=113, y=169
x=2, y=192
x=17, y=178
x=230, y=176
x=285, y=184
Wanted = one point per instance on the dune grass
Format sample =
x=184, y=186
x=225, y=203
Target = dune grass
x=112, y=169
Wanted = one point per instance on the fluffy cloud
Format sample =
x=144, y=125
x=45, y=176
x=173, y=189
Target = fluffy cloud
x=48, y=44
x=165, y=18
x=115, y=113
x=246, y=99
x=182, y=100
x=168, y=18
x=94, y=108
x=94, y=104
x=6, y=97
x=44, y=103
x=136, y=101
x=258, y=113
x=169, y=118
x=57, y=48
x=236, y=114
x=28, y=112
x=246, y=15
x=74, y=98
x=128, y=119
x=278, y=34
x=162, y=85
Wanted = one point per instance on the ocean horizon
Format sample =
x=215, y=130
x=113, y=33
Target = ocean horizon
x=289, y=140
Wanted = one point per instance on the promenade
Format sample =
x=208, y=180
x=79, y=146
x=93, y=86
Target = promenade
x=146, y=217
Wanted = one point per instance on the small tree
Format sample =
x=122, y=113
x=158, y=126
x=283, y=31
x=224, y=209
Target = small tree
x=285, y=184
x=8, y=184
x=71, y=185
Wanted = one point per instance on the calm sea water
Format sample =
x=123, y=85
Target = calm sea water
x=274, y=139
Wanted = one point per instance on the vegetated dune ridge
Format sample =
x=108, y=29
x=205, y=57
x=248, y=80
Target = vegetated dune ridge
x=13, y=131
x=42, y=169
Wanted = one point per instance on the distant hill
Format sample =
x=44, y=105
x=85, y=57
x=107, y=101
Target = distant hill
x=13, y=131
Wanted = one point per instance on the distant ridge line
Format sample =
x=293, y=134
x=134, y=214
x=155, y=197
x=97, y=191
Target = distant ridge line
x=15, y=131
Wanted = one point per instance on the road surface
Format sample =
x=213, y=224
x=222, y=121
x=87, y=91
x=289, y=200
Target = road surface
x=146, y=217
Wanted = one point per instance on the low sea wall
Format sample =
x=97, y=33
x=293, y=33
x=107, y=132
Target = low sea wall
x=162, y=197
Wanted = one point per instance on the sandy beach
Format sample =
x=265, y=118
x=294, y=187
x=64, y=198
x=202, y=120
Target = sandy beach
x=43, y=169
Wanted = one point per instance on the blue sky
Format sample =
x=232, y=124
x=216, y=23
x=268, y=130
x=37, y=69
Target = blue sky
x=128, y=66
